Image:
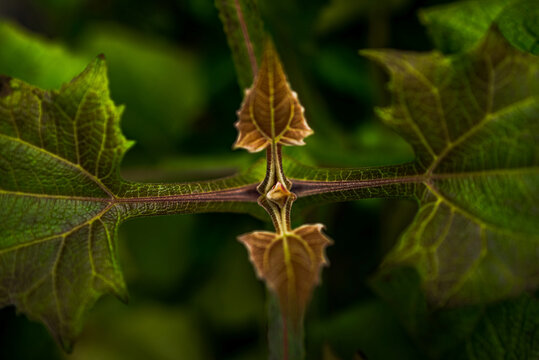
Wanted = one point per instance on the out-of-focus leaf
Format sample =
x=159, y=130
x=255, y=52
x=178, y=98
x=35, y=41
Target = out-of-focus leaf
x=162, y=84
x=141, y=332
x=339, y=13
x=507, y=329
x=472, y=121
x=38, y=61
x=342, y=70
x=189, y=168
x=519, y=23
x=157, y=269
x=367, y=327
x=232, y=297
x=245, y=34
x=377, y=145
x=460, y=25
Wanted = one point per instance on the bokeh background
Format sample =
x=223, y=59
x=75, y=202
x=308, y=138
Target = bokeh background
x=193, y=292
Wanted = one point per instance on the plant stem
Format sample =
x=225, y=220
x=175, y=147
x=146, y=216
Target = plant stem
x=285, y=339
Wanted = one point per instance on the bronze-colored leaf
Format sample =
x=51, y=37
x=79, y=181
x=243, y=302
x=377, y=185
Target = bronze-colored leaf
x=270, y=111
x=289, y=263
x=279, y=194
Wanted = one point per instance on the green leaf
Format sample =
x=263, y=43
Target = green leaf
x=62, y=199
x=38, y=61
x=139, y=331
x=460, y=25
x=507, y=330
x=366, y=325
x=472, y=121
x=59, y=149
x=245, y=34
x=519, y=23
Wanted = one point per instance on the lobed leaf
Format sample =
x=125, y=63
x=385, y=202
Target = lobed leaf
x=271, y=112
x=62, y=199
x=472, y=121
x=59, y=151
x=289, y=263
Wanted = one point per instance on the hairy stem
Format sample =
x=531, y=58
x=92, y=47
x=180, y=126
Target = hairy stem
x=247, y=39
x=274, y=170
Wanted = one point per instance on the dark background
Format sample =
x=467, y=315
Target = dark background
x=193, y=292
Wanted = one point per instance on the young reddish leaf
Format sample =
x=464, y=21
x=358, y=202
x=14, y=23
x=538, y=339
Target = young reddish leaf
x=271, y=112
x=289, y=263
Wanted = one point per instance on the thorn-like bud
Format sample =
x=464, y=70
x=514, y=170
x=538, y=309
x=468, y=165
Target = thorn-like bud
x=279, y=194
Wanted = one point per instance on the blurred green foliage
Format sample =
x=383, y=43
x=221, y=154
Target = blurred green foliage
x=193, y=292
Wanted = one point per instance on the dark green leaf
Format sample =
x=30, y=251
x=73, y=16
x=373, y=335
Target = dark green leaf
x=460, y=25
x=509, y=330
x=472, y=120
x=503, y=330
x=62, y=198
x=519, y=23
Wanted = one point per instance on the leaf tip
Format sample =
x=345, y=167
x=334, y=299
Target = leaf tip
x=121, y=293
x=373, y=54
x=270, y=111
